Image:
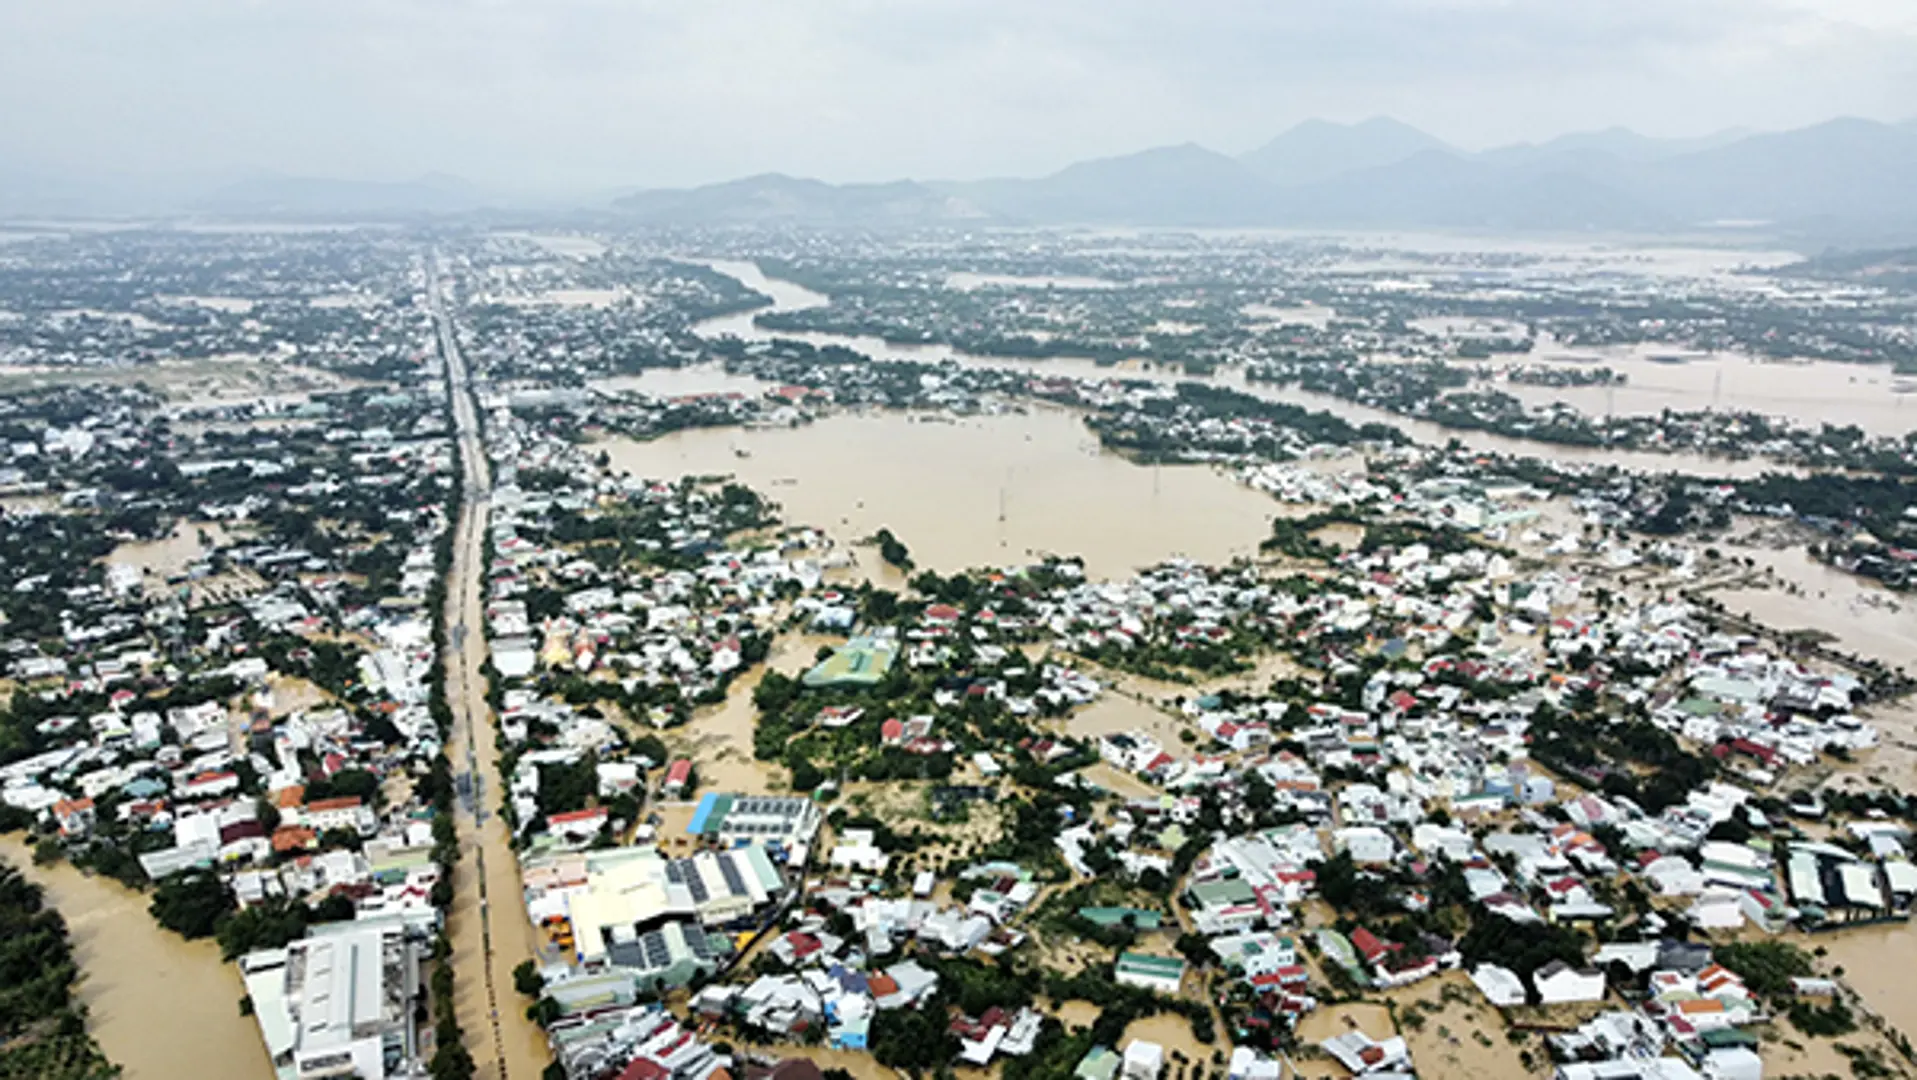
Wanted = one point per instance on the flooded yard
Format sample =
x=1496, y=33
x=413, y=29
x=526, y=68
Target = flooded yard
x=1116, y=713
x=1372, y=1018
x=719, y=737
x=1876, y=961
x=1173, y=1032
x=162, y=559
x=1454, y=1034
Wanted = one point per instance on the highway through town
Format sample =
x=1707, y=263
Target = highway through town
x=486, y=943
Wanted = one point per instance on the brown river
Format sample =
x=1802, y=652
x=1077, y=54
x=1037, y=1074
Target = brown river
x=787, y=296
x=162, y=1007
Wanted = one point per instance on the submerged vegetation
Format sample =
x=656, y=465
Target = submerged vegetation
x=43, y=1031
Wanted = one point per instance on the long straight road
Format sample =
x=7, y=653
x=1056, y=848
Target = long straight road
x=487, y=925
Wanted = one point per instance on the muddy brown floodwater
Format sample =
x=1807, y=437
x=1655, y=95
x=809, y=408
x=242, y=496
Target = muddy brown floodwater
x=1810, y=392
x=1877, y=962
x=1863, y=616
x=787, y=296
x=974, y=492
x=719, y=737
x=162, y=1007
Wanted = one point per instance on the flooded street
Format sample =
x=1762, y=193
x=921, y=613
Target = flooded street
x=162, y=1007
x=979, y=491
x=487, y=923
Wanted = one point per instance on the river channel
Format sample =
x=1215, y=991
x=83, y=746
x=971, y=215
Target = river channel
x=787, y=296
x=162, y=1007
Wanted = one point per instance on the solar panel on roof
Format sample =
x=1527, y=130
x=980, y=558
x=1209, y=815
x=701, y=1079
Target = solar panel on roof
x=625, y=954
x=731, y=874
x=657, y=954
x=696, y=941
x=694, y=884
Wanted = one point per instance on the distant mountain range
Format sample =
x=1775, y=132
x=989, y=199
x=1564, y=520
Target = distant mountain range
x=1847, y=182
x=1384, y=174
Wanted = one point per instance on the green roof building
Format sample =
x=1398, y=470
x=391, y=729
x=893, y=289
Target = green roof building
x=862, y=661
x=1223, y=893
x=1160, y=974
x=1115, y=916
x=1100, y=1064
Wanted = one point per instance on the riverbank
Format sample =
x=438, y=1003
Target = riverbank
x=161, y=1007
x=788, y=297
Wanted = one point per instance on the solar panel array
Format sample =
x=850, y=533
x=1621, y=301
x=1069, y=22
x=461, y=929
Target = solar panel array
x=786, y=810
x=696, y=941
x=733, y=881
x=626, y=954
x=658, y=953
x=689, y=877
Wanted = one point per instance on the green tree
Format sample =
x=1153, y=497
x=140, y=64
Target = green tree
x=893, y=550
x=191, y=904
x=775, y=692
x=526, y=979
x=269, y=925
x=805, y=775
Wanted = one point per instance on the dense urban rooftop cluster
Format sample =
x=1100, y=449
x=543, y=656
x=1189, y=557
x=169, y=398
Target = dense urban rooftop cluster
x=1466, y=741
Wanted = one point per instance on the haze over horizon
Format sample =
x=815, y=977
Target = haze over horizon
x=568, y=95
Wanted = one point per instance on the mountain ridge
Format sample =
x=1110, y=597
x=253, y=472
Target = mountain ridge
x=1843, y=177
x=1382, y=173
x=1318, y=150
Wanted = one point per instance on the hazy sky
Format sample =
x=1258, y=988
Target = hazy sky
x=643, y=92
